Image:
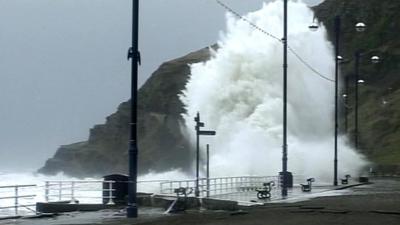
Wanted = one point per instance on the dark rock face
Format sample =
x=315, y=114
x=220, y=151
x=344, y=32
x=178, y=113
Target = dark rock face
x=162, y=145
x=379, y=115
x=162, y=142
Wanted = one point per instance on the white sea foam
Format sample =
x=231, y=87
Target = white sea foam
x=238, y=93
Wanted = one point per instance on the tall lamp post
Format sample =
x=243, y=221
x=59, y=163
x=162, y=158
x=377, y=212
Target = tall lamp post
x=285, y=176
x=133, y=53
x=338, y=58
x=337, y=42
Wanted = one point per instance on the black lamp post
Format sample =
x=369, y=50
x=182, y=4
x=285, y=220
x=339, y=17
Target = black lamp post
x=338, y=58
x=285, y=176
x=133, y=53
x=337, y=42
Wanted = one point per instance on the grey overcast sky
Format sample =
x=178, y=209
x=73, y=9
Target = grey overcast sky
x=63, y=64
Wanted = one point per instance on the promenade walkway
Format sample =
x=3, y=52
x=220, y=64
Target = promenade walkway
x=376, y=203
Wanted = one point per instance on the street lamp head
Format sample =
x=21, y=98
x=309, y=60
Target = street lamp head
x=344, y=95
x=339, y=58
x=361, y=27
x=375, y=59
x=361, y=81
x=313, y=27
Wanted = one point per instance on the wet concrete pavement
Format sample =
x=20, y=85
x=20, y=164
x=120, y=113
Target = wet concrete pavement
x=99, y=217
x=294, y=195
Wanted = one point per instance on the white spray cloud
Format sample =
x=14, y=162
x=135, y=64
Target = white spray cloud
x=239, y=92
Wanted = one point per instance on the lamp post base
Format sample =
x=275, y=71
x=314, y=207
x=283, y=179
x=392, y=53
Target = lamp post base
x=131, y=211
x=286, y=181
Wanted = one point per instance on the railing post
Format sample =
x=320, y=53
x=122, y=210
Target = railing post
x=60, y=191
x=208, y=187
x=110, y=194
x=215, y=186
x=200, y=188
x=46, y=191
x=220, y=185
x=16, y=200
x=73, y=192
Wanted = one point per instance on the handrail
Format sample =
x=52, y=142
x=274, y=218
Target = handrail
x=19, y=196
x=60, y=190
x=184, y=180
x=20, y=186
x=73, y=190
x=16, y=189
x=75, y=181
x=9, y=207
x=219, y=185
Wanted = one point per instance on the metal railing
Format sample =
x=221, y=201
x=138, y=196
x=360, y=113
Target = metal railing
x=219, y=185
x=14, y=197
x=150, y=186
x=91, y=191
x=79, y=191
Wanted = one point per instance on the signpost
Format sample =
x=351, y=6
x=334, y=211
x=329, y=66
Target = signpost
x=199, y=132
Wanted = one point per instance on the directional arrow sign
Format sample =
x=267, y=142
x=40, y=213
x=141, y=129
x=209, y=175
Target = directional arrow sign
x=207, y=132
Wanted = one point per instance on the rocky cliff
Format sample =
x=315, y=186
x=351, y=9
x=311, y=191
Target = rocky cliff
x=161, y=140
x=160, y=136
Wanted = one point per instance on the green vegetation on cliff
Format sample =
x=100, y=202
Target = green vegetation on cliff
x=379, y=105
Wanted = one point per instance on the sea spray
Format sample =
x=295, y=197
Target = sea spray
x=238, y=93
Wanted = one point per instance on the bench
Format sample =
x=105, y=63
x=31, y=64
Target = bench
x=346, y=179
x=265, y=191
x=180, y=204
x=183, y=192
x=307, y=187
